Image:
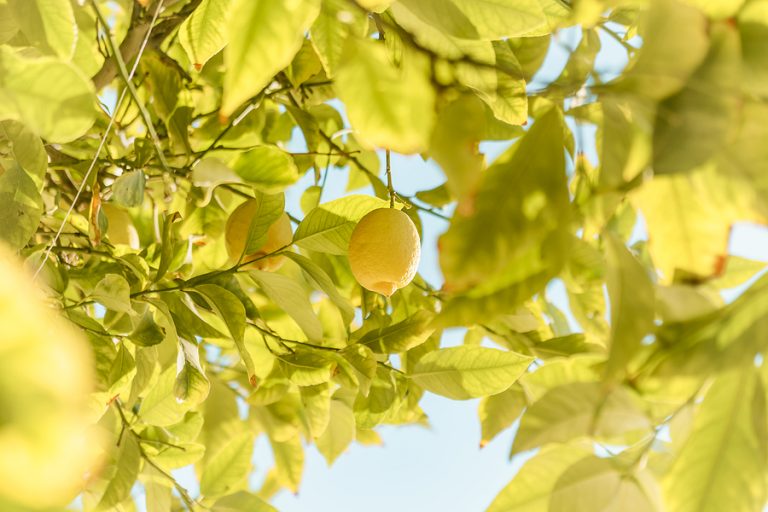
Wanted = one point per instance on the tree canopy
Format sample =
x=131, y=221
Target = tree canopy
x=130, y=130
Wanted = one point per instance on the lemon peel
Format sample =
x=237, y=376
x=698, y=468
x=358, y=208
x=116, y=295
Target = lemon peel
x=46, y=377
x=279, y=235
x=384, y=251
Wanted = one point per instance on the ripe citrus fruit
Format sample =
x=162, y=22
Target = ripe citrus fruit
x=120, y=229
x=45, y=380
x=279, y=235
x=384, y=251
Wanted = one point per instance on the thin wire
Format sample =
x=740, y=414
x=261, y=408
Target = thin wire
x=101, y=143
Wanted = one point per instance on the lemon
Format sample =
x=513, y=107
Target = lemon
x=120, y=230
x=384, y=251
x=45, y=380
x=279, y=235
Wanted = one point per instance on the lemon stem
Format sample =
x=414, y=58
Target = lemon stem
x=389, y=180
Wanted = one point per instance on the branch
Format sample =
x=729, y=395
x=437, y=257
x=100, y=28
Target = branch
x=188, y=500
x=130, y=45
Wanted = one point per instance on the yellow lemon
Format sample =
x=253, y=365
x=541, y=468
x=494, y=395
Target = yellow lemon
x=120, y=230
x=279, y=235
x=384, y=251
x=45, y=380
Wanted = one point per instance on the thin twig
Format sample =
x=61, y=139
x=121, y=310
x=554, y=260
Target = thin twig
x=390, y=188
x=127, y=78
x=100, y=146
x=189, y=501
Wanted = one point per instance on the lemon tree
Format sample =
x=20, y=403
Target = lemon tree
x=212, y=225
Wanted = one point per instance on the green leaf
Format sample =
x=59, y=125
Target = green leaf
x=26, y=148
x=268, y=168
x=437, y=196
x=291, y=298
x=675, y=42
x=402, y=336
x=454, y=145
x=720, y=465
x=186, y=318
x=505, y=94
x=327, y=228
x=576, y=410
x=317, y=407
x=177, y=456
x=632, y=305
x=128, y=189
x=59, y=114
x=121, y=473
x=530, y=53
x=625, y=140
x=227, y=469
x=738, y=271
x=339, y=434
x=121, y=373
x=47, y=24
x=363, y=361
x=694, y=123
x=191, y=386
x=166, y=248
x=8, y=25
x=692, y=240
x=387, y=107
x=329, y=32
x=500, y=19
x=157, y=489
x=753, y=28
x=498, y=412
x=306, y=368
x=146, y=331
x=318, y=276
x=443, y=15
x=204, y=33
x=242, y=501
x=289, y=463
x=374, y=408
x=229, y=308
x=21, y=206
x=515, y=227
x=558, y=372
x=469, y=371
x=263, y=38
x=114, y=292
x=265, y=210
x=718, y=9
x=598, y=484
x=531, y=488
